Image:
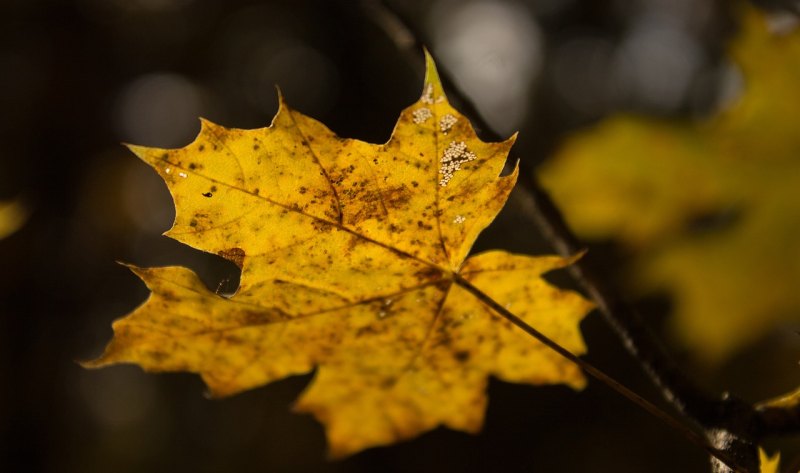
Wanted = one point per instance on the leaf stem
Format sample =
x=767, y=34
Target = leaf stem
x=601, y=376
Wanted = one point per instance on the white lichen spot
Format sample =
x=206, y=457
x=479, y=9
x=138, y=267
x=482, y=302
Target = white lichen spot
x=440, y=99
x=447, y=122
x=454, y=156
x=386, y=304
x=459, y=219
x=427, y=94
x=421, y=115
x=183, y=175
x=168, y=170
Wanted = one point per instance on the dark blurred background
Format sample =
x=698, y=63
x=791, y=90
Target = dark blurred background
x=79, y=77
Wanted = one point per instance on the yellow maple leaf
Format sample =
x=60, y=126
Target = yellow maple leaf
x=769, y=464
x=350, y=255
x=13, y=215
x=644, y=181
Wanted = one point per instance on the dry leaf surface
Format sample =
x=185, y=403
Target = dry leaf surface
x=348, y=253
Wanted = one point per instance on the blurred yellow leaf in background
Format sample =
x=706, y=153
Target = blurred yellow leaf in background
x=13, y=215
x=647, y=182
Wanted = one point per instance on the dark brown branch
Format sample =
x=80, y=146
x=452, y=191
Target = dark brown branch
x=730, y=424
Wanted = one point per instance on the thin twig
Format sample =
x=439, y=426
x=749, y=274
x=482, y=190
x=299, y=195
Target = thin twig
x=601, y=376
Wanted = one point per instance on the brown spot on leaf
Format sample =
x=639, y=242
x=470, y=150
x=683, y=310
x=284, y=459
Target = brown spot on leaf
x=429, y=273
x=232, y=339
x=321, y=226
x=388, y=383
x=169, y=296
x=157, y=356
x=377, y=203
x=352, y=242
x=366, y=330
x=461, y=356
x=234, y=254
x=255, y=317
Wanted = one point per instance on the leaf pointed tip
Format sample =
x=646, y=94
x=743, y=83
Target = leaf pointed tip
x=137, y=270
x=431, y=73
x=432, y=91
x=580, y=254
x=281, y=98
x=206, y=124
x=107, y=358
x=283, y=106
x=337, y=454
x=428, y=56
x=91, y=364
x=139, y=150
x=211, y=393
